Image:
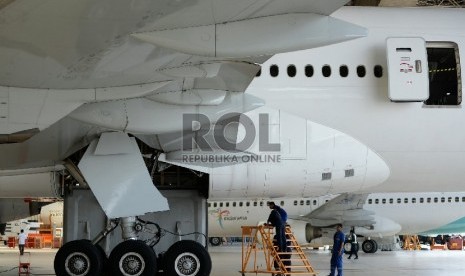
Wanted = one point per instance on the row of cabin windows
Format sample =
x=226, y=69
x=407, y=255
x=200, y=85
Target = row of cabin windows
x=414, y=200
x=239, y=204
x=261, y=203
x=325, y=71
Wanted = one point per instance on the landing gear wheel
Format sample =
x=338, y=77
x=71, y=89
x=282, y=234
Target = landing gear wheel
x=78, y=258
x=215, y=241
x=104, y=258
x=187, y=258
x=347, y=247
x=133, y=258
x=369, y=246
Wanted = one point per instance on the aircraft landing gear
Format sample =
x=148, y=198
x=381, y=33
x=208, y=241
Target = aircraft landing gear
x=79, y=258
x=369, y=246
x=131, y=257
x=187, y=257
x=215, y=241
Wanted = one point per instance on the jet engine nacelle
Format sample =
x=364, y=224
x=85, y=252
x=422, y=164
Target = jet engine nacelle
x=303, y=231
x=383, y=227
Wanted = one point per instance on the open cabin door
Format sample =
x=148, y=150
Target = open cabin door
x=408, y=69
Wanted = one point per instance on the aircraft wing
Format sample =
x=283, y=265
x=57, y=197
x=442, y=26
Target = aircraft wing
x=62, y=54
x=345, y=208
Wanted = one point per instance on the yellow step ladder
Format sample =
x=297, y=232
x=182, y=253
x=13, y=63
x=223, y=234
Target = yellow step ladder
x=258, y=240
x=411, y=242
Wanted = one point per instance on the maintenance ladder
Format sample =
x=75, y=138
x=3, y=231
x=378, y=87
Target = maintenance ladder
x=258, y=240
x=411, y=242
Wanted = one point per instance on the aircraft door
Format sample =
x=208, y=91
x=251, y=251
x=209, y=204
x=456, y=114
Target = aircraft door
x=408, y=69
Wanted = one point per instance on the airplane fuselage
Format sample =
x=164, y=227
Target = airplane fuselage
x=393, y=213
x=421, y=144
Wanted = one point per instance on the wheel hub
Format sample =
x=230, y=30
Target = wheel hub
x=132, y=264
x=187, y=264
x=77, y=264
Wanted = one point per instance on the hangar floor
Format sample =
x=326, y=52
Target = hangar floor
x=227, y=261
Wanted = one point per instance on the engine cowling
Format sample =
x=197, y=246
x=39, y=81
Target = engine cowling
x=304, y=232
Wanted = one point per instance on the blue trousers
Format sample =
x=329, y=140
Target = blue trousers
x=281, y=238
x=336, y=263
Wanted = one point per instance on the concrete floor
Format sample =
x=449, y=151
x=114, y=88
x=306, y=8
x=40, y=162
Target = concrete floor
x=227, y=261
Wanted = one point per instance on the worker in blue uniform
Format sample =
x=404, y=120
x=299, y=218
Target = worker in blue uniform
x=338, y=251
x=276, y=220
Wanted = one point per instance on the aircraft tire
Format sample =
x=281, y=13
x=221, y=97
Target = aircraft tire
x=104, y=258
x=187, y=258
x=132, y=257
x=369, y=246
x=347, y=247
x=215, y=241
x=78, y=258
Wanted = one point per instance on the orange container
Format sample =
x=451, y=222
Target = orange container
x=455, y=244
x=12, y=242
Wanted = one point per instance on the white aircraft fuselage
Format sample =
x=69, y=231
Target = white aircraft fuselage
x=392, y=213
x=422, y=145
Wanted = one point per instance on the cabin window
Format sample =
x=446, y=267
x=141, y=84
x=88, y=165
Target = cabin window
x=326, y=176
x=309, y=71
x=435, y=200
x=209, y=205
x=378, y=71
x=457, y=199
x=405, y=200
x=361, y=71
x=295, y=202
x=326, y=71
x=445, y=87
x=259, y=73
x=307, y=202
x=215, y=205
x=376, y=201
x=343, y=71
x=234, y=204
x=370, y=201
x=428, y=200
x=255, y=204
x=349, y=173
x=414, y=200
x=391, y=200
x=449, y=199
x=399, y=200
x=384, y=201
x=227, y=204
x=261, y=203
x=301, y=202
x=221, y=204
x=247, y=204
x=241, y=204
x=282, y=202
x=421, y=200
x=463, y=198
x=443, y=199
x=291, y=70
x=314, y=202
x=274, y=70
